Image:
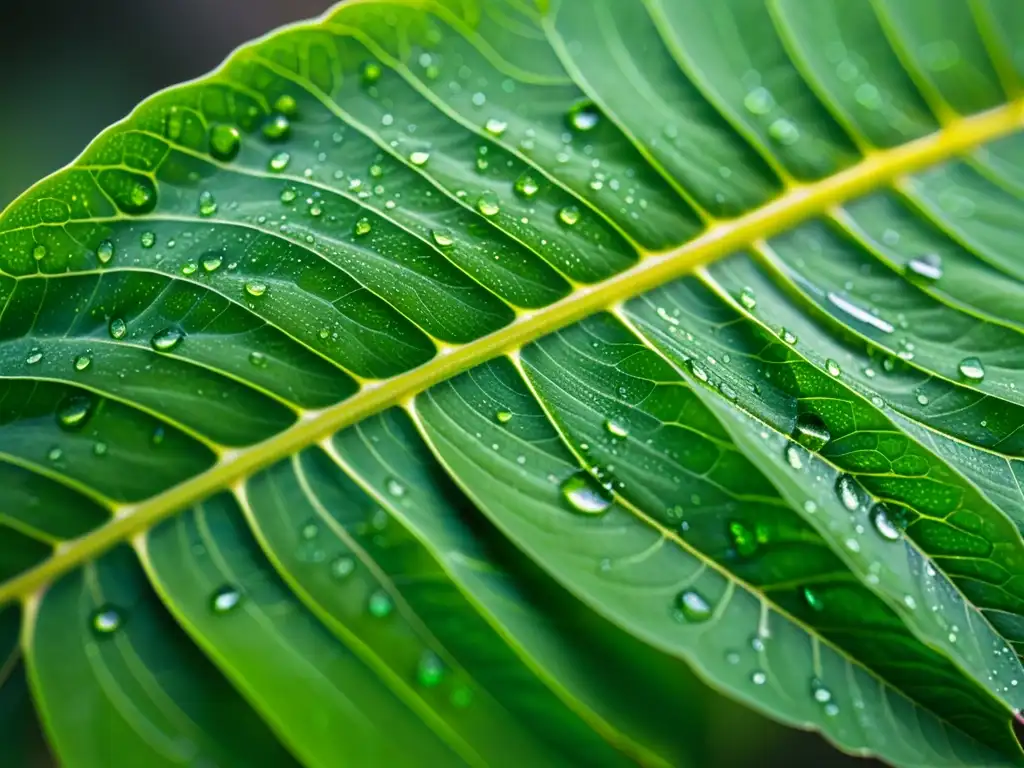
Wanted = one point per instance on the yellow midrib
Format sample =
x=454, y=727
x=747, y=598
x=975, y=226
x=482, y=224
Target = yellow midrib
x=797, y=204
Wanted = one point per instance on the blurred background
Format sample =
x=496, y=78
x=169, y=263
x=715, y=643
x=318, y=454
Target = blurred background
x=71, y=68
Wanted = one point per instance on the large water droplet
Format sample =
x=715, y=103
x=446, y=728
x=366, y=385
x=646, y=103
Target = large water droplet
x=371, y=72
x=225, y=141
x=167, y=339
x=784, y=131
x=811, y=431
x=430, y=670
x=972, y=369
x=106, y=620
x=105, y=252
x=794, y=457
x=848, y=493
x=693, y=607
x=885, y=527
x=74, y=412
x=118, y=329
x=34, y=356
x=286, y=105
x=225, y=599
x=82, y=362
x=821, y=694
x=832, y=367
x=585, y=495
x=142, y=196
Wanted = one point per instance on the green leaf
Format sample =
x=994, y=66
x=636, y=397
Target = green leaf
x=492, y=382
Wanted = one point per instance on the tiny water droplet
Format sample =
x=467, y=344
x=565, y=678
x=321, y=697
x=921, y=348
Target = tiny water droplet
x=784, y=131
x=585, y=495
x=167, y=339
x=972, y=369
x=430, y=670
x=225, y=141
x=821, y=694
x=380, y=604
x=697, y=370
x=225, y=599
x=569, y=215
x=811, y=431
x=207, y=203
x=105, y=252
x=693, y=607
x=189, y=268
x=362, y=227
x=106, y=620
x=885, y=527
x=279, y=161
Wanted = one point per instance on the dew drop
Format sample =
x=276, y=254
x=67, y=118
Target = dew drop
x=279, y=162
x=793, y=456
x=758, y=101
x=821, y=694
x=846, y=489
x=371, y=72
x=148, y=239
x=141, y=197
x=430, y=670
x=693, y=607
x=288, y=195
x=106, y=620
x=788, y=336
x=225, y=141
x=441, y=237
x=747, y=299
x=82, y=362
x=495, y=127
x=487, y=204
x=74, y=412
x=925, y=269
x=832, y=367
x=759, y=678
x=503, y=417
x=277, y=127
x=34, y=356
x=380, y=604
x=39, y=252
x=583, y=116
x=212, y=262
x=584, y=495
x=258, y=359
x=167, y=339
x=207, y=203
x=105, y=252
x=972, y=369
x=616, y=428
x=362, y=227
x=885, y=527
x=225, y=599
x=189, y=268
x=526, y=186
x=569, y=215
x=395, y=488
x=419, y=158
x=255, y=288
x=343, y=566
x=811, y=432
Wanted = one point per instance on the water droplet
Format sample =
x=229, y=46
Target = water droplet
x=847, y=491
x=286, y=105
x=100, y=449
x=885, y=527
x=441, y=237
x=207, y=203
x=167, y=339
x=39, y=252
x=585, y=495
x=784, y=131
x=105, y=252
x=380, y=604
x=106, y=620
x=343, y=566
x=583, y=116
x=747, y=299
x=972, y=369
x=225, y=599
x=212, y=262
x=758, y=101
x=526, y=186
x=430, y=670
x=288, y=195
x=793, y=456
x=148, y=239
x=82, y=362
x=910, y=602
x=813, y=599
x=34, y=356
x=821, y=694
x=371, y=72
x=503, y=417
x=255, y=288
x=832, y=367
x=495, y=127
x=811, y=432
x=925, y=268
x=569, y=215
x=277, y=127
x=278, y=162
x=697, y=370
x=616, y=427
x=142, y=196
x=419, y=158
x=74, y=412
x=693, y=607
x=744, y=539
x=225, y=141
x=759, y=678
x=787, y=336
x=258, y=359
x=189, y=268
x=487, y=204
x=395, y=487
x=362, y=227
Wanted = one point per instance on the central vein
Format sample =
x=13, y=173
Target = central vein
x=796, y=205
